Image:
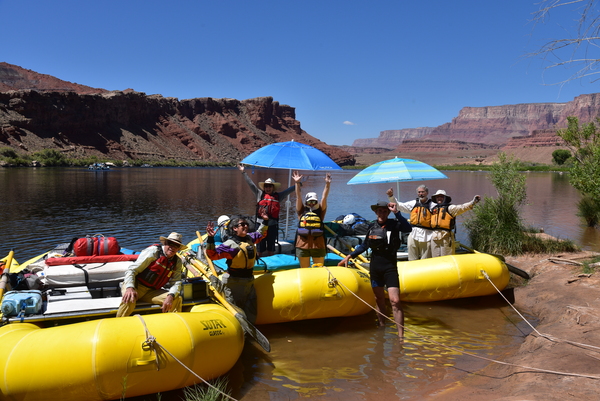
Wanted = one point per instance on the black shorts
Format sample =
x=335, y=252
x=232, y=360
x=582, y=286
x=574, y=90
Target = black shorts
x=385, y=275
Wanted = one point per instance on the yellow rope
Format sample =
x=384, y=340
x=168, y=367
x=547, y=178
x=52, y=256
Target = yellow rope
x=469, y=353
x=152, y=343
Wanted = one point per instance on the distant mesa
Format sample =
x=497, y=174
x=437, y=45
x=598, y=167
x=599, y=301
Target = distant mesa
x=493, y=127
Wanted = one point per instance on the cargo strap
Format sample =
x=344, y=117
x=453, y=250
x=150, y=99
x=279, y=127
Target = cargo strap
x=151, y=343
x=22, y=307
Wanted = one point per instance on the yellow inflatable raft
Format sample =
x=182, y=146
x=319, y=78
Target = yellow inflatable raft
x=450, y=277
x=313, y=293
x=110, y=358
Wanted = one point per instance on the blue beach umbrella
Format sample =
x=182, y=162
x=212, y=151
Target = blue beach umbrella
x=396, y=170
x=290, y=156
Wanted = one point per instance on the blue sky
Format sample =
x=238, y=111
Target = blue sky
x=350, y=68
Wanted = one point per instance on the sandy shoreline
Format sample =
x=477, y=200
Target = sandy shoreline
x=567, y=304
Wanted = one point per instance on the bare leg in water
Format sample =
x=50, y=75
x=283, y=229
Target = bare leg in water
x=394, y=295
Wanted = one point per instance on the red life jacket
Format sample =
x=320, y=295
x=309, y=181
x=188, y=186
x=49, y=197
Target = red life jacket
x=270, y=204
x=159, y=272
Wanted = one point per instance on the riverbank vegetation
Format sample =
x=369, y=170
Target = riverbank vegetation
x=584, y=165
x=54, y=158
x=496, y=226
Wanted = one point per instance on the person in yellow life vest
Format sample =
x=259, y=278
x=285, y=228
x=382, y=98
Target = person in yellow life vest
x=267, y=199
x=443, y=222
x=310, y=236
x=240, y=251
x=419, y=239
x=157, y=266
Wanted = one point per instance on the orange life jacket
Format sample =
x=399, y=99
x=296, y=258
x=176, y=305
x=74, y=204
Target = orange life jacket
x=158, y=273
x=420, y=215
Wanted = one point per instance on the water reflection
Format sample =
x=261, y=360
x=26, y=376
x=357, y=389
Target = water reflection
x=342, y=358
x=348, y=358
x=42, y=207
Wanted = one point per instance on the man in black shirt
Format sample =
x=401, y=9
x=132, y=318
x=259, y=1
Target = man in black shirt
x=384, y=240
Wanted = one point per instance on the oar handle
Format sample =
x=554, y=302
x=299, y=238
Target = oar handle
x=201, y=271
x=356, y=263
x=210, y=263
x=4, y=279
x=346, y=244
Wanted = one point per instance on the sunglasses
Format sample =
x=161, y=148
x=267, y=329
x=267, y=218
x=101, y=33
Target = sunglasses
x=173, y=246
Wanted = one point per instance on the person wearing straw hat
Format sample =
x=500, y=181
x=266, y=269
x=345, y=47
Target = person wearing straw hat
x=156, y=267
x=383, y=238
x=268, y=199
x=443, y=222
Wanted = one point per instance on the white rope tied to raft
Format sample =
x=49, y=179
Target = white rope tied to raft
x=152, y=343
x=465, y=352
x=546, y=336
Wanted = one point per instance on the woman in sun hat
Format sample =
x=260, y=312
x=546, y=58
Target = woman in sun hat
x=310, y=238
x=443, y=222
x=269, y=201
x=156, y=267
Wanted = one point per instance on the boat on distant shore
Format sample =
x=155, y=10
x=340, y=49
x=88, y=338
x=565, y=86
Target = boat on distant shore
x=66, y=331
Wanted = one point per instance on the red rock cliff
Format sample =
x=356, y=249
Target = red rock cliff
x=131, y=125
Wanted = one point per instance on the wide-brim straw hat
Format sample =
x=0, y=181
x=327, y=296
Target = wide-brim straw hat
x=271, y=181
x=174, y=238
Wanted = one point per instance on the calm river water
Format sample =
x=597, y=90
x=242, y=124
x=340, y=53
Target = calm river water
x=324, y=359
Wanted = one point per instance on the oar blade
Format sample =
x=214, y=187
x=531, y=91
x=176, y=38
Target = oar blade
x=248, y=327
x=253, y=332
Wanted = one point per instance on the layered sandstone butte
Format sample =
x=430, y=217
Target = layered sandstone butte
x=131, y=125
x=497, y=126
x=392, y=138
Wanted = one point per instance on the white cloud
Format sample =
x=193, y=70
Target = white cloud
x=348, y=123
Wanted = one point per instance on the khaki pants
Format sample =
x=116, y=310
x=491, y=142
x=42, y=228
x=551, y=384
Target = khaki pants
x=150, y=295
x=417, y=249
x=443, y=247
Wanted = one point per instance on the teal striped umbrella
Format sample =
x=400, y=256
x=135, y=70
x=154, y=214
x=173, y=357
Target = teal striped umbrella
x=396, y=170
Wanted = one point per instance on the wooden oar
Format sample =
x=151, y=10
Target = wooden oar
x=511, y=268
x=210, y=263
x=343, y=242
x=234, y=310
x=4, y=279
x=356, y=263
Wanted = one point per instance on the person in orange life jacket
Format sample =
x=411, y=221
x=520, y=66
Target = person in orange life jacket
x=383, y=238
x=240, y=251
x=419, y=240
x=310, y=238
x=156, y=267
x=269, y=199
x=443, y=220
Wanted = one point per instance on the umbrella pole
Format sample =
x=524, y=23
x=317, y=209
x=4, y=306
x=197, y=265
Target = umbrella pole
x=287, y=207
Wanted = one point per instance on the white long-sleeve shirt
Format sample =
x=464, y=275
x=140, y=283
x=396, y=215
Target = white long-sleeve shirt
x=418, y=233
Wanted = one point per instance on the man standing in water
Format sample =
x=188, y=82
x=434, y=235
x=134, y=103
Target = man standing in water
x=419, y=240
x=383, y=237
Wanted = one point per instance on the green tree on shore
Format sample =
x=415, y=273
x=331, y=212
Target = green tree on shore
x=584, y=142
x=496, y=226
